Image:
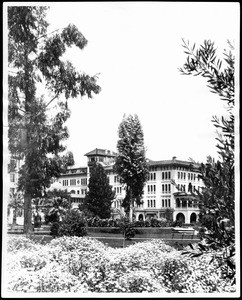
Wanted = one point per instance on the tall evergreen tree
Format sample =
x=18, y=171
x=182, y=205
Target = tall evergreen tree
x=35, y=59
x=100, y=195
x=131, y=164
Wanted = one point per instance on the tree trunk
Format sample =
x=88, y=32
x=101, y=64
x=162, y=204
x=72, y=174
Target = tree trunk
x=28, y=228
x=131, y=207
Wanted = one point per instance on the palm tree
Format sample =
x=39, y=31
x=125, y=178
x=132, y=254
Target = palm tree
x=58, y=203
x=16, y=202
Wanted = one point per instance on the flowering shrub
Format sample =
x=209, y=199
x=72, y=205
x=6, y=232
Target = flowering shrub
x=83, y=264
x=20, y=243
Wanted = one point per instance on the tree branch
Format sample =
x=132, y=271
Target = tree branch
x=52, y=100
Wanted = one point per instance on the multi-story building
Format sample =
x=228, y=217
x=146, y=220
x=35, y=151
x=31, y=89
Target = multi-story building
x=160, y=192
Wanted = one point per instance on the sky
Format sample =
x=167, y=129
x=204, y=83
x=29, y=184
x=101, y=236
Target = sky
x=135, y=47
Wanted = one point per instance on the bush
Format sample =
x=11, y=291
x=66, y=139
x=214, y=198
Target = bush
x=126, y=228
x=82, y=264
x=16, y=243
x=73, y=224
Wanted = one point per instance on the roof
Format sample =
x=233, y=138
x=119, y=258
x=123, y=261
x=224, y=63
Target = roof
x=79, y=171
x=173, y=162
x=101, y=152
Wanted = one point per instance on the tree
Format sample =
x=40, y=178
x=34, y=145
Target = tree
x=100, y=195
x=58, y=202
x=131, y=164
x=35, y=60
x=217, y=200
x=15, y=202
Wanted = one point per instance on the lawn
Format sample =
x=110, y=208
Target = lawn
x=86, y=265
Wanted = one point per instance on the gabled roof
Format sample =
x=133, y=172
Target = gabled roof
x=101, y=152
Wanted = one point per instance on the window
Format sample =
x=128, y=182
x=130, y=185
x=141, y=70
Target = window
x=116, y=178
x=169, y=188
x=191, y=176
x=169, y=175
x=152, y=176
x=163, y=204
x=84, y=181
x=181, y=175
x=78, y=192
x=12, y=177
x=163, y=176
x=151, y=188
x=188, y=176
x=72, y=181
x=65, y=182
x=148, y=201
x=178, y=175
x=166, y=202
x=184, y=175
x=163, y=188
x=169, y=202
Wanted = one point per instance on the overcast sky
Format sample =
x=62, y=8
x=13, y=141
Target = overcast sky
x=136, y=48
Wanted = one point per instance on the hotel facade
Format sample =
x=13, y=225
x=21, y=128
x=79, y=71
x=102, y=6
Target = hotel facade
x=160, y=194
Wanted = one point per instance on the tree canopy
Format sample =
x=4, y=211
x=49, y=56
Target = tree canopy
x=99, y=197
x=35, y=60
x=131, y=164
x=217, y=200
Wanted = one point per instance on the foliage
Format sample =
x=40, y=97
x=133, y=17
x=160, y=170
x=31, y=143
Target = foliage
x=218, y=196
x=85, y=265
x=126, y=228
x=58, y=202
x=15, y=201
x=72, y=224
x=35, y=60
x=131, y=164
x=97, y=222
x=100, y=195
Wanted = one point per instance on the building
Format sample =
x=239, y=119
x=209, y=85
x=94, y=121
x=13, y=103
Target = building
x=166, y=188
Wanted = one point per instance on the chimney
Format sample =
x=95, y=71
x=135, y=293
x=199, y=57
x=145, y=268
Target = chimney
x=174, y=158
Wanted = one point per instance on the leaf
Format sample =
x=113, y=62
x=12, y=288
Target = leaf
x=197, y=254
x=202, y=247
x=191, y=246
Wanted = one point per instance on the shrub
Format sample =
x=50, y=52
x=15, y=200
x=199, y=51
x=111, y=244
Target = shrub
x=82, y=264
x=16, y=243
x=126, y=228
x=73, y=224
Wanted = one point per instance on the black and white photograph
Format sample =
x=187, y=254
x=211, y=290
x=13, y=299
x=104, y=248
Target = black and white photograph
x=121, y=166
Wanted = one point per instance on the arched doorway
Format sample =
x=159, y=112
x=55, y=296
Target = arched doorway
x=193, y=218
x=141, y=217
x=180, y=217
